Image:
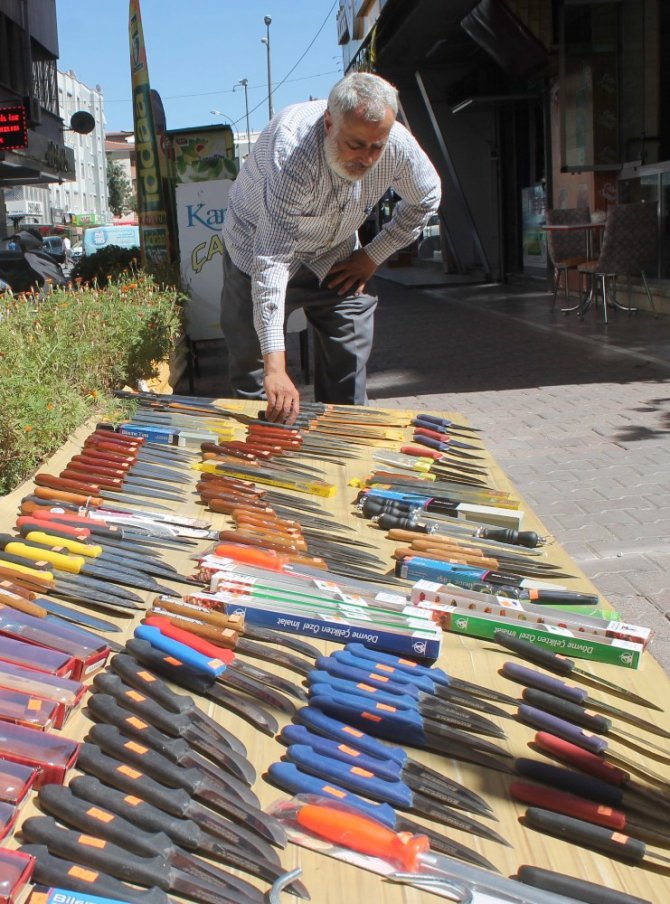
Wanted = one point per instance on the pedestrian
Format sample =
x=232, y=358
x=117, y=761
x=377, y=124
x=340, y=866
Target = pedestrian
x=315, y=174
x=67, y=245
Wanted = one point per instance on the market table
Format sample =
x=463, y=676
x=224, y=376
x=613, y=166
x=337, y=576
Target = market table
x=331, y=881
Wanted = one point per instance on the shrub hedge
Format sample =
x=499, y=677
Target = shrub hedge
x=63, y=355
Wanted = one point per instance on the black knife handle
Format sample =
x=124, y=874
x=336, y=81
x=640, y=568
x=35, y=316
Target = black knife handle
x=135, y=674
x=389, y=521
x=571, y=712
x=134, y=700
x=527, y=538
x=61, y=803
x=575, y=888
x=105, y=709
x=534, y=653
x=184, y=832
x=127, y=778
x=96, y=852
x=55, y=872
x=132, y=752
x=576, y=831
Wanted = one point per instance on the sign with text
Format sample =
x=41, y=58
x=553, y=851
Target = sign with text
x=13, y=127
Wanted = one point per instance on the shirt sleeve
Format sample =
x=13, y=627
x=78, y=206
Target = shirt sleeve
x=286, y=195
x=418, y=185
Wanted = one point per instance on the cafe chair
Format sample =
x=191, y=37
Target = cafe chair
x=567, y=250
x=628, y=247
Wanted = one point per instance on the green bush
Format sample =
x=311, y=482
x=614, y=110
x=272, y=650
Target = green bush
x=105, y=265
x=62, y=357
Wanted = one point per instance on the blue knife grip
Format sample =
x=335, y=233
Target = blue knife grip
x=421, y=421
x=180, y=651
x=388, y=770
x=433, y=419
x=404, y=728
x=397, y=794
x=292, y=780
x=543, y=682
x=406, y=665
x=406, y=683
x=430, y=442
x=341, y=685
x=412, y=498
x=573, y=782
x=319, y=722
x=537, y=718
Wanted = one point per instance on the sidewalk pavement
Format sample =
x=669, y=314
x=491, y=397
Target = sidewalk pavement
x=577, y=414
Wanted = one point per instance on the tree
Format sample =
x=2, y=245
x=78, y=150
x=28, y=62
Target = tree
x=121, y=195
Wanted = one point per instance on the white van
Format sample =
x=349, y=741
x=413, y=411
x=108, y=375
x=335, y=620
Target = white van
x=97, y=237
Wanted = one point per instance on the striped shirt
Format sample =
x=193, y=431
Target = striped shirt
x=287, y=208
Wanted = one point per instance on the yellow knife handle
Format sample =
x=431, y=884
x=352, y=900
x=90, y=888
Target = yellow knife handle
x=74, y=546
x=72, y=564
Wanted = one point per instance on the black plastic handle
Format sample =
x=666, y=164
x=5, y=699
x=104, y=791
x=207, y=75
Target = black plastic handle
x=105, y=709
x=576, y=831
x=61, y=803
x=132, y=752
x=55, y=872
x=134, y=700
x=579, y=889
x=184, y=832
x=573, y=782
x=97, y=852
x=527, y=538
x=572, y=712
x=534, y=653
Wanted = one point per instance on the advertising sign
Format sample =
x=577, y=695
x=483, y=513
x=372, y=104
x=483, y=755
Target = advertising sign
x=13, y=127
x=203, y=170
x=151, y=203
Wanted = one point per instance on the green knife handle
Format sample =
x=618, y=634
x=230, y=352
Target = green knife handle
x=96, y=852
x=57, y=872
x=184, y=832
x=110, y=739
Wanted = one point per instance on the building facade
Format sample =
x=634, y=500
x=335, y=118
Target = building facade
x=524, y=105
x=38, y=154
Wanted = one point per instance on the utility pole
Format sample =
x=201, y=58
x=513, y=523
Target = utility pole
x=245, y=83
x=266, y=41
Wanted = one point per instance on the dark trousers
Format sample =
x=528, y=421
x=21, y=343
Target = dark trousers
x=343, y=328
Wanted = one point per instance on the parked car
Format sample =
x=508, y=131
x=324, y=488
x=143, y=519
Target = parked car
x=77, y=251
x=53, y=245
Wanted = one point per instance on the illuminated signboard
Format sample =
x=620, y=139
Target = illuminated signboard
x=13, y=127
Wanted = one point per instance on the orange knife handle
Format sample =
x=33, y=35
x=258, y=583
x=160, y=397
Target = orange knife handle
x=53, y=495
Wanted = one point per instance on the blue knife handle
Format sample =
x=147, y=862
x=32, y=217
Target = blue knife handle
x=433, y=419
x=180, y=651
x=430, y=442
x=421, y=421
x=574, y=782
x=408, y=684
x=397, y=794
x=288, y=777
x=537, y=718
x=388, y=770
x=351, y=669
x=402, y=726
x=405, y=665
x=413, y=498
x=319, y=722
x=543, y=682
x=366, y=691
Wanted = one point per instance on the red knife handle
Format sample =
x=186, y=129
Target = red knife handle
x=568, y=804
x=422, y=452
x=582, y=759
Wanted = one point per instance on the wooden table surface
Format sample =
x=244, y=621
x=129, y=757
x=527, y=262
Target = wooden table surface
x=332, y=882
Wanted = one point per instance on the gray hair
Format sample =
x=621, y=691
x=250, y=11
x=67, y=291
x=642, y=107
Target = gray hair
x=362, y=92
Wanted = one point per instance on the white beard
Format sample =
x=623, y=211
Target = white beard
x=337, y=166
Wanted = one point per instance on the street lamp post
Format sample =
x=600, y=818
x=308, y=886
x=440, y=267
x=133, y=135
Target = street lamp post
x=245, y=82
x=232, y=126
x=266, y=41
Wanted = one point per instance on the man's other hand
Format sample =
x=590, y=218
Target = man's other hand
x=350, y=276
x=283, y=398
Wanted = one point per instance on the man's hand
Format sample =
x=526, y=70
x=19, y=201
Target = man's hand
x=283, y=398
x=350, y=276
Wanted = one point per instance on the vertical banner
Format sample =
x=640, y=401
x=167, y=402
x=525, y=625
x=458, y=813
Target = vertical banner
x=151, y=204
x=204, y=170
